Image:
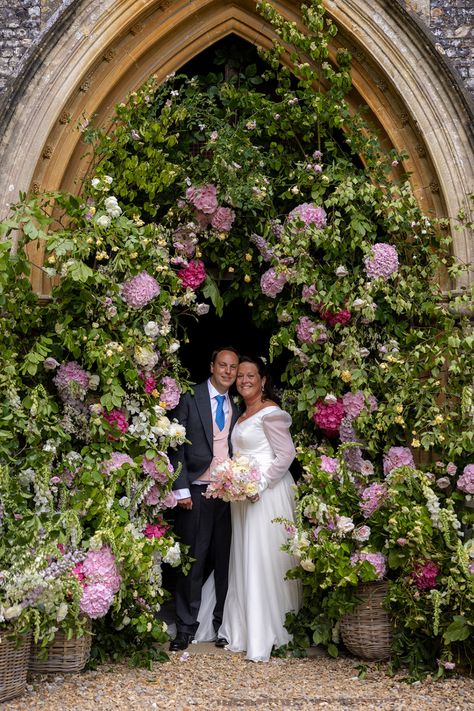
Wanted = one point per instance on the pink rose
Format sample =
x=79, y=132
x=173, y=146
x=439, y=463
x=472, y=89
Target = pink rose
x=223, y=219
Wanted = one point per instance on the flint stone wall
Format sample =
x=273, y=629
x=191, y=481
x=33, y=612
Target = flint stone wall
x=451, y=22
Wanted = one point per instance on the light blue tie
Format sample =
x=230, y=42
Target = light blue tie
x=220, y=417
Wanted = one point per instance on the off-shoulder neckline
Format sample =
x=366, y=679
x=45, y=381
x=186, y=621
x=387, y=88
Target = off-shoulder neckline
x=268, y=407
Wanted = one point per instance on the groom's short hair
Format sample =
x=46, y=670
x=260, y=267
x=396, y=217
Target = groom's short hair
x=224, y=348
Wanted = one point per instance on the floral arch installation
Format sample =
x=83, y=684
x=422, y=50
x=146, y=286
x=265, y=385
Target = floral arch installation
x=95, y=53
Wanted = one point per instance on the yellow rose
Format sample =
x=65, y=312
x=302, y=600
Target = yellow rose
x=247, y=278
x=231, y=269
x=399, y=420
x=248, y=257
x=399, y=408
x=415, y=443
x=346, y=376
x=51, y=259
x=438, y=419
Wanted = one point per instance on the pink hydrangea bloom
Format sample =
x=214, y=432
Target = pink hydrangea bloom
x=100, y=566
x=71, y=381
x=155, y=530
x=193, y=275
x=397, y=457
x=383, y=262
x=329, y=464
x=170, y=500
x=170, y=393
x=352, y=455
x=272, y=283
x=305, y=329
x=328, y=416
x=117, y=460
x=466, y=480
x=377, y=560
x=96, y=600
x=152, y=498
x=353, y=403
x=372, y=403
x=223, y=219
x=203, y=198
x=333, y=317
x=158, y=469
x=372, y=498
x=138, y=291
x=309, y=214
x=424, y=575
x=116, y=420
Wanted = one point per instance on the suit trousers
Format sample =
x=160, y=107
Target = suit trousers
x=206, y=529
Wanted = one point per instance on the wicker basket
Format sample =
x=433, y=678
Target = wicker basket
x=13, y=667
x=366, y=632
x=64, y=655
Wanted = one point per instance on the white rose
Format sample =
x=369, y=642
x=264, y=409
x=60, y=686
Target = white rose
x=94, y=381
x=152, y=330
x=11, y=612
x=344, y=524
x=174, y=345
x=62, y=612
x=330, y=399
x=146, y=357
x=341, y=271
x=95, y=182
x=173, y=555
x=108, y=179
x=358, y=303
x=308, y=565
x=104, y=221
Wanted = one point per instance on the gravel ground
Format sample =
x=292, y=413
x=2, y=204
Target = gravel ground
x=207, y=679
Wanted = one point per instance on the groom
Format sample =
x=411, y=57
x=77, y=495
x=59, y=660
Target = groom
x=204, y=524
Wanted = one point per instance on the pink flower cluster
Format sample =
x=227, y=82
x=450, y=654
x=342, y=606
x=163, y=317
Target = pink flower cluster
x=138, y=291
x=333, y=317
x=117, y=460
x=71, y=381
x=100, y=577
x=308, y=331
x=352, y=455
x=272, y=283
x=193, y=275
x=155, y=530
x=397, y=457
x=424, y=575
x=328, y=416
x=154, y=498
x=223, y=219
x=117, y=421
x=149, y=384
x=329, y=464
x=383, y=262
x=170, y=393
x=203, y=198
x=372, y=497
x=377, y=560
x=158, y=468
x=309, y=214
x=466, y=480
x=234, y=480
x=354, y=403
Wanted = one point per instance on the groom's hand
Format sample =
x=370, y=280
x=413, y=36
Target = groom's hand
x=186, y=503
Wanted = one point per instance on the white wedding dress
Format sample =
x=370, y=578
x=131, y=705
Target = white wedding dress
x=259, y=597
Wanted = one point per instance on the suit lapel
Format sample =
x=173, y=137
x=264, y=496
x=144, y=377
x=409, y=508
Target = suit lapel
x=203, y=405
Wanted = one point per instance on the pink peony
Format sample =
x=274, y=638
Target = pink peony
x=71, y=381
x=333, y=317
x=272, y=283
x=117, y=460
x=155, y=530
x=377, y=560
x=329, y=464
x=223, y=219
x=328, y=416
x=116, y=420
x=170, y=393
x=372, y=498
x=138, y=291
x=157, y=468
x=193, y=275
x=383, y=261
x=353, y=404
x=203, y=198
x=424, y=575
x=309, y=214
x=466, y=480
x=96, y=600
x=99, y=566
x=397, y=457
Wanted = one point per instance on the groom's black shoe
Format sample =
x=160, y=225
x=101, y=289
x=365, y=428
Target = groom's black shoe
x=221, y=642
x=181, y=641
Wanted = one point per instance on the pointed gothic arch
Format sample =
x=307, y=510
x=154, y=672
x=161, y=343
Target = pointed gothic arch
x=93, y=53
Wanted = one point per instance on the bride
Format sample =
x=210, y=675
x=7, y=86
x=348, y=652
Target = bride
x=259, y=597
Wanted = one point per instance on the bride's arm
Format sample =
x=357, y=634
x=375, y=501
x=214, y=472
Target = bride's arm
x=276, y=426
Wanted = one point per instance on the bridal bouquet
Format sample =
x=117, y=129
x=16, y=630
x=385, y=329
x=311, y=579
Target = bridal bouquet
x=234, y=480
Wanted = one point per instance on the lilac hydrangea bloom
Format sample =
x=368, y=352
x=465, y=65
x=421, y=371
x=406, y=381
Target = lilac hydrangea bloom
x=117, y=460
x=372, y=498
x=138, y=291
x=263, y=247
x=203, y=198
x=96, y=600
x=353, y=403
x=71, y=381
x=377, y=560
x=466, y=480
x=383, y=261
x=170, y=393
x=272, y=283
x=309, y=214
x=397, y=457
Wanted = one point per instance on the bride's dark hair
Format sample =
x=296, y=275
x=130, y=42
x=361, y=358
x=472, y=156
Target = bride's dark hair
x=268, y=392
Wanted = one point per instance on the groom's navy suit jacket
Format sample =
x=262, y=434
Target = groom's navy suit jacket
x=195, y=413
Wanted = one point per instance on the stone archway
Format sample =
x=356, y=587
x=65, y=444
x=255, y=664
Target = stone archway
x=94, y=53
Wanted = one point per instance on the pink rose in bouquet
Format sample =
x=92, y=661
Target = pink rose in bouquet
x=234, y=480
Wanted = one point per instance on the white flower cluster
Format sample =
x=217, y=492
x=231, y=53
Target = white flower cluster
x=173, y=555
x=163, y=428
x=112, y=206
